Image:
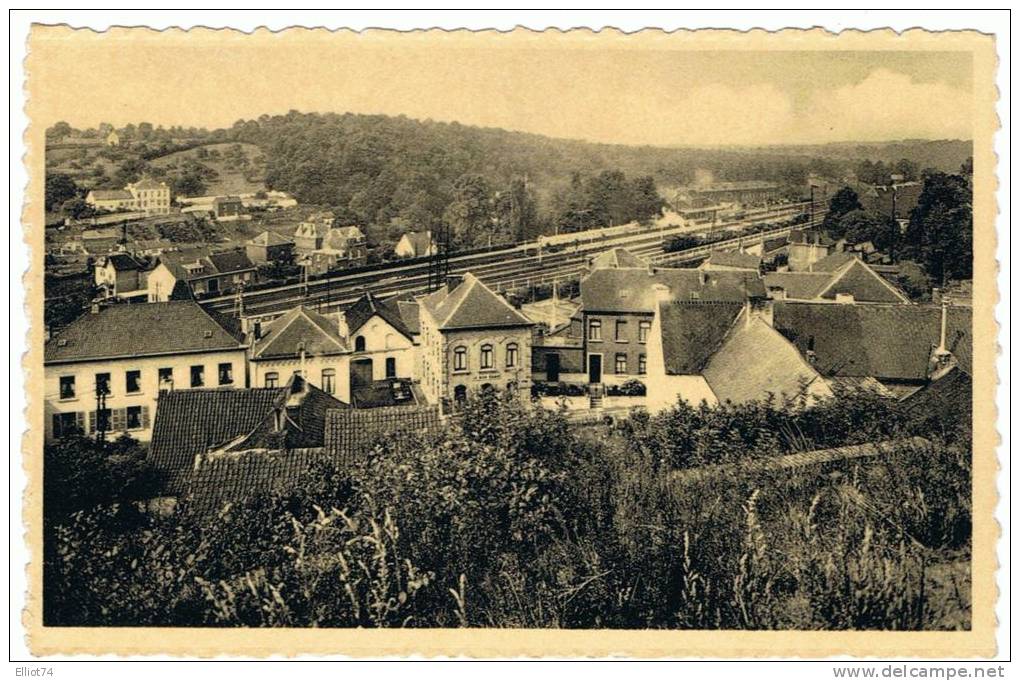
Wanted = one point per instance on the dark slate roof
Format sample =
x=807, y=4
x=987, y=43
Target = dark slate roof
x=737, y=259
x=832, y=262
x=631, y=290
x=218, y=422
x=300, y=327
x=368, y=306
x=692, y=332
x=863, y=283
x=409, y=314
x=349, y=433
x=890, y=342
x=231, y=261
x=472, y=304
x=190, y=422
x=617, y=257
x=798, y=285
x=950, y=394
x=123, y=262
x=809, y=236
x=142, y=330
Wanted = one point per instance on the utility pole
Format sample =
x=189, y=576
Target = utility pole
x=101, y=418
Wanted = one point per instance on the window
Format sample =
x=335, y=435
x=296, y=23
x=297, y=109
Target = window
x=134, y=418
x=621, y=330
x=621, y=362
x=67, y=388
x=391, y=367
x=486, y=357
x=133, y=381
x=214, y=285
x=460, y=393
x=102, y=384
x=460, y=359
x=329, y=380
x=226, y=373
x=197, y=376
x=166, y=378
x=359, y=344
x=695, y=295
x=272, y=379
x=643, y=328
x=642, y=364
x=511, y=355
x=594, y=330
x=99, y=421
x=68, y=423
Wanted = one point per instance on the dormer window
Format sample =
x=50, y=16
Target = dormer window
x=359, y=344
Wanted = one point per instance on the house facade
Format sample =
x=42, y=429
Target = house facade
x=806, y=247
x=309, y=235
x=472, y=340
x=269, y=247
x=415, y=245
x=120, y=276
x=342, y=247
x=146, y=195
x=201, y=272
x=104, y=372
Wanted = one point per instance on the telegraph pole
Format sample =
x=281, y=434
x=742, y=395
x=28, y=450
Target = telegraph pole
x=101, y=419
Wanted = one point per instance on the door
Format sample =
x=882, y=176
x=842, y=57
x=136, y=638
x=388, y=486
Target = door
x=594, y=368
x=361, y=373
x=552, y=367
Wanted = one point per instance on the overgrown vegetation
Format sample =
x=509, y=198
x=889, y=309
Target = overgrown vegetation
x=511, y=517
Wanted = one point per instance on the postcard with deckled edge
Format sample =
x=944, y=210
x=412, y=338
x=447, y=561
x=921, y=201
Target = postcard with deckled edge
x=564, y=343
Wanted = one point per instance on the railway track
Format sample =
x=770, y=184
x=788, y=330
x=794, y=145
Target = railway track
x=516, y=266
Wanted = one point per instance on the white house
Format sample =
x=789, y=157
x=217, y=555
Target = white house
x=415, y=245
x=105, y=371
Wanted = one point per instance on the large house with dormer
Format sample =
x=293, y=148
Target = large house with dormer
x=200, y=272
x=104, y=372
x=838, y=278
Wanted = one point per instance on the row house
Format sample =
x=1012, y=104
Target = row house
x=200, y=272
x=472, y=340
x=121, y=275
x=105, y=371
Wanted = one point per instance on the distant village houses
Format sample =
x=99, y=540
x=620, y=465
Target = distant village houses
x=146, y=195
x=415, y=245
x=199, y=272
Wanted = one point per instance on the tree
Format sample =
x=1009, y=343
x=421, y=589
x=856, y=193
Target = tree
x=470, y=213
x=59, y=131
x=910, y=170
x=842, y=202
x=516, y=212
x=77, y=208
x=647, y=203
x=859, y=226
x=59, y=188
x=941, y=229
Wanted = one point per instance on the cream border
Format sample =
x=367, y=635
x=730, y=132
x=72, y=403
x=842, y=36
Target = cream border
x=979, y=642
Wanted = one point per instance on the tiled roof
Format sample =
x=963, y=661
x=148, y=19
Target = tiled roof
x=631, y=290
x=888, y=342
x=691, y=332
x=832, y=262
x=111, y=195
x=142, y=330
x=409, y=314
x=471, y=304
x=949, y=394
x=231, y=261
x=755, y=362
x=231, y=477
x=798, y=285
x=149, y=183
x=215, y=423
x=339, y=238
x=736, y=259
x=300, y=327
x=190, y=422
x=220, y=200
x=350, y=433
x=368, y=306
x=225, y=262
x=617, y=257
x=809, y=236
x=839, y=273
x=268, y=238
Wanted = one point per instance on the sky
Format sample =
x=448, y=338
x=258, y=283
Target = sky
x=662, y=97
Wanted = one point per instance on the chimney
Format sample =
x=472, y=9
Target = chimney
x=702, y=277
x=662, y=293
x=95, y=308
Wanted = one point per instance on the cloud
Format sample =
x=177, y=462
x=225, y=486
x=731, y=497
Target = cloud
x=888, y=105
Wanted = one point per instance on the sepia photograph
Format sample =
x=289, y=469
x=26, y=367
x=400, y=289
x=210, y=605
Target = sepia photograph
x=505, y=334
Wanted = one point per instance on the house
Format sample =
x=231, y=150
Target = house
x=302, y=342
x=196, y=430
x=351, y=433
x=152, y=247
x=617, y=307
x=151, y=197
x=342, y=247
x=721, y=353
x=105, y=371
x=896, y=200
x=415, y=245
x=731, y=260
x=807, y=246
x=615, y=258
x=120, y=275
x=900, y=346
x=113, y=139
x=472, y=340
x=311, y=233
x=382, y=346
x=146, y=195
x=110, y=199
x=269, y=247
x=101, y=241
x=841, y=278
x=227, y=208
x=201, y=272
